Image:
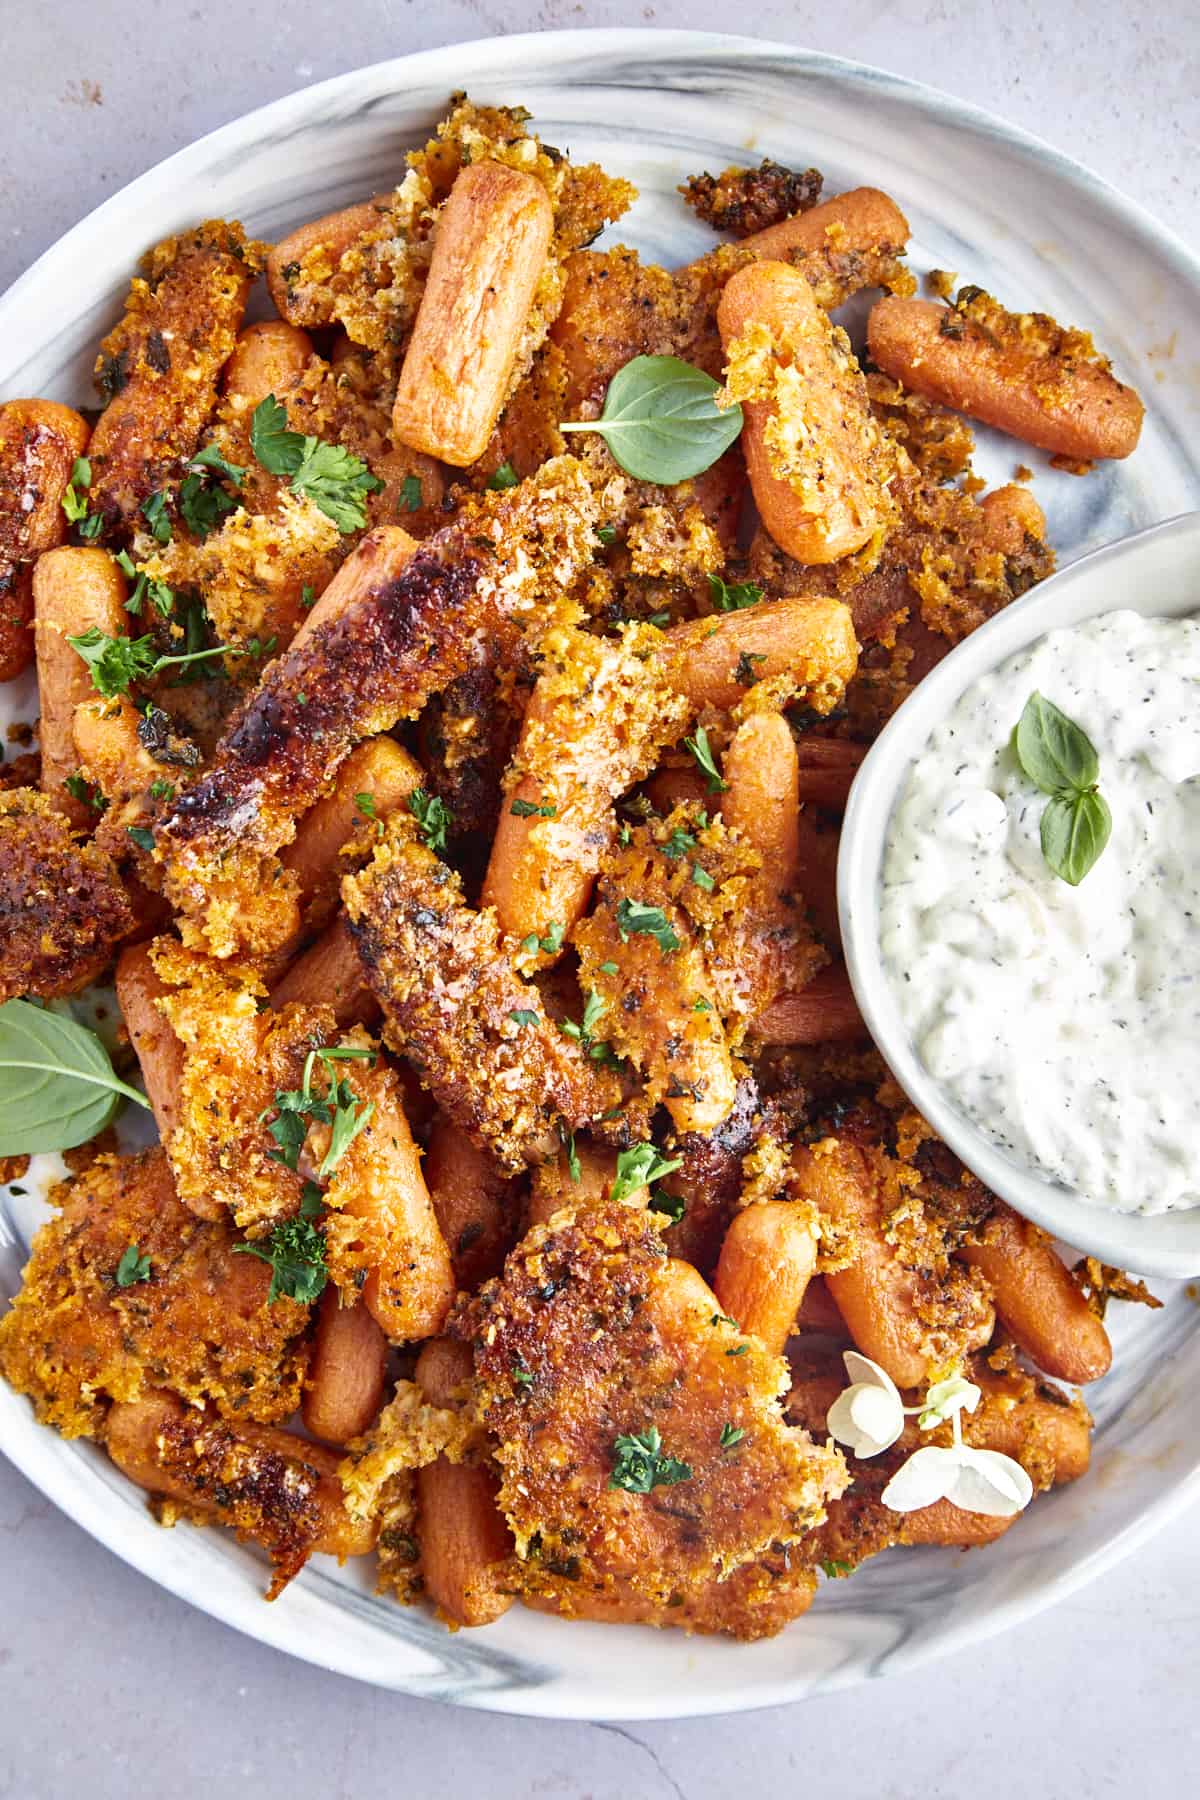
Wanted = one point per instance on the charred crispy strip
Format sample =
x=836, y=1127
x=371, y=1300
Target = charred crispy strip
x=158, y=369
x=745, y=201
x=450, y=994
x=200, y=1321
x=63, y=909
x=268, y=1485
x=357, y=671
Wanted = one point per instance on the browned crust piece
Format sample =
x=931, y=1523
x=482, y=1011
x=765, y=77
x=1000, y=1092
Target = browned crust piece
x=63, y=909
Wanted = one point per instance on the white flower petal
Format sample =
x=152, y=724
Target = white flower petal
x=928, y=1475
x=989, y=1482
x=868, y=1420
x=865, y=1373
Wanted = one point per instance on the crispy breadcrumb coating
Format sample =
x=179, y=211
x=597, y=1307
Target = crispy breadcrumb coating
x=199, y=1323
x=743, y=201
x=63, y=907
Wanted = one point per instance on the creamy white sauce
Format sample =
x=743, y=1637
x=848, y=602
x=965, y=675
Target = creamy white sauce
x=1063, y=1021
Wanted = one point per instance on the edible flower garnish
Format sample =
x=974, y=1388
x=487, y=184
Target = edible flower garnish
x=868, y=1417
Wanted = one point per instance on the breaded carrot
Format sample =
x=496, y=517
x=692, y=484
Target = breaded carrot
x=811, y=641
x=267, y=358
x=470, y=1198
x=818, y=462
x=1036, y=1298
x=275, y=1488
x=824, y=1011
x=110, y=754
x=596, y=720
x=943, y=1523
x=465, y=1543
x=159, y=1051
x=160, y=365
x=861, y=227
x=1045, y=1430
x=299, y=266
x=817, y=878
x=73, y=590
x=329, y=973
x=39, y=443
x=877, y=1295
x=1020, y=372
x=818, y=1311
x=379, y=556
x=554, y=1185
x=343, y=1387
x=375, y=779
x=381, y=1219
x=764, y=1268
x=490, y=248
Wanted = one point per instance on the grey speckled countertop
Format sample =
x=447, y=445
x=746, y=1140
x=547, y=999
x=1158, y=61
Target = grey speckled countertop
x=107, y=1684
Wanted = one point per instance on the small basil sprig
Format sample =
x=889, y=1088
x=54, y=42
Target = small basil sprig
x=1059, y=758
x=57, y=1087
x=661, y=422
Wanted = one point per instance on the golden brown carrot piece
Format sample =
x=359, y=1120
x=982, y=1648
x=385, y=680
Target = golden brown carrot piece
x=818, y=1311
x=765, y=1266
x=490, y=248
x=39, y=443
x=596, y=720
x=329, y=973
x=375, y=780
x=554, y=1186
x=824, y=1011
x=1045, y=1430
x=343, y=1389
x=267, y=358
x=299, y=266
x=818, y=463
x=465, y=1543
x=470, y=1198
x=862, y=226
x=943, y=1523
x=73, y=590
x=275, y=1488
x=159, y=1051
x=1011, y=516
x=1038, y=1301
x=160, y=365
x=812, y=641
x=379, y=556
x=877, y=1295
x=381, y=1219
x=1021, y=373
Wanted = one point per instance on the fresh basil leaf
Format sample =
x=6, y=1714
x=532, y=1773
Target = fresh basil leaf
x=1075, y=829
x=57, y=1086
x=1052, y=750
x=661, y=422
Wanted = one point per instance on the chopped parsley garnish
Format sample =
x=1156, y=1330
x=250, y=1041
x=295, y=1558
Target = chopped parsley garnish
x=609, y=968
x=673, y=1205
x=132, y=1268
x=296, y=1108
x=83, y=791
x=581, y=1034
x=636, y=919
x=607, y=534
x=723, y=1319
x=366, y=805
x=328, y=475
x=73, y=505
x=735, y=596
x=702, y=751
x=521, y=1015
x=296, y=1253
x=162, y=790
x=410, y=494
x=639, y=1167
x=160, y=596
x=307, y=595
x=679, y=842
x=573, y=1168
x=522, y=1377
x=550, y=945
x=154, y=511
x=738, y=1350
x=115, y=662
x=702, y=878
x=141, y=835
x=433, y=817
x=833, y=1569
x=504, y=477
x=731, y=1435
x=525, y=809
x=202, y=500
x=639, y=1466
x=701, y=1005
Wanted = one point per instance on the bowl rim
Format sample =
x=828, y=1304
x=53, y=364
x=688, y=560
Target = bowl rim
x=45, y=1462
x=1165, y=1245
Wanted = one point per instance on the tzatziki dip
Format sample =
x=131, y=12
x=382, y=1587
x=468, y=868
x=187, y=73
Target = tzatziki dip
x=1063, y=1020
